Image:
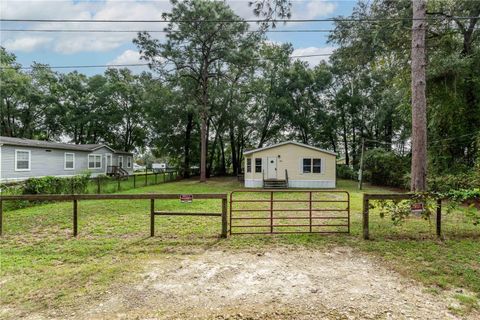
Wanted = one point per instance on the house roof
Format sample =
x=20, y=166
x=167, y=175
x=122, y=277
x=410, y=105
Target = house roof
x=53, y=145
x=289, y=142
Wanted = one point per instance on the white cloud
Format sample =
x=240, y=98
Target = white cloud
x=69, y=43
x=314, y=9
x=127, y=57
x=312, y=51
x=26, y=44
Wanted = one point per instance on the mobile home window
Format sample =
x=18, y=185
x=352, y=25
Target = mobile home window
x=129, y=162
x=258, y=164
x=317, y=165
x=120, y=161
x=94, y=161
x=22, y=160
x=249, y=165
x=312, y=165
x=307, y=165
x=69, y=161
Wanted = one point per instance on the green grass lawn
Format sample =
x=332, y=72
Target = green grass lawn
x=42, y=266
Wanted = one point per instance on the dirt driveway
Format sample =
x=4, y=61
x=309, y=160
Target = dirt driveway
x=275, y=284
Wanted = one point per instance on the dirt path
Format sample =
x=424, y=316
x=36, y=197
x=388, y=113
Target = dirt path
x=276, y=284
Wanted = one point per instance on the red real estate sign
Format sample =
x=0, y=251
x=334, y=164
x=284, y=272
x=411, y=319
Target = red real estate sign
x=186, y=198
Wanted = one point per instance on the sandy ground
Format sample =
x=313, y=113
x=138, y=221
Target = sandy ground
x=276, y=284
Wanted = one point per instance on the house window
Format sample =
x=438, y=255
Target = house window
x=120, y=161
x=22, y=160
x=69, y=161
x=258, y=164
x=307, y=165
x=249, y=164
x=312, y=165
x=94, y=161
x=317, y=165
x=129, y=162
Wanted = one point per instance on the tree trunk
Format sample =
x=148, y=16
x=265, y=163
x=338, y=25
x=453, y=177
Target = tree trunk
x=233, y=149
x=345, y=141
x=223, y=163
x=419, y=101
x=203, y=147
x=188, y=137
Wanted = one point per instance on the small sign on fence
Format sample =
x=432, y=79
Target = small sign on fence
x=417, y=208
x=186, y=198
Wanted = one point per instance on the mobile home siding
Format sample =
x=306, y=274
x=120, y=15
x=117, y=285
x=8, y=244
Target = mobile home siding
x=42, y=162
x=52, y=162
x=289, y=157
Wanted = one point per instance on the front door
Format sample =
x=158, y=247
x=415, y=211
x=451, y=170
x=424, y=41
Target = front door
x=108, y=162
x=272, y=168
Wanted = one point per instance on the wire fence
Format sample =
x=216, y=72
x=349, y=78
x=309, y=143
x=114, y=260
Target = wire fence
x=95, y=185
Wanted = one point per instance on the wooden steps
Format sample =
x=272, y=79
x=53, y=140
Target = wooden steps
x=275, y=184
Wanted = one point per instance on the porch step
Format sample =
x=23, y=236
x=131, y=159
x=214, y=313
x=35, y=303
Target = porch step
x=275, y=184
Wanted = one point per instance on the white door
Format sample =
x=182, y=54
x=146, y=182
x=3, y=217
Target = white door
x=272, y=168
x=108, y=162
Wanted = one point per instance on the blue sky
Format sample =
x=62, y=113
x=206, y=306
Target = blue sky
x=117, y=48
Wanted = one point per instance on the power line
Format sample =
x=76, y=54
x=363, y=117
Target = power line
x=234, y=21
x=145, y=64
x=150, y=31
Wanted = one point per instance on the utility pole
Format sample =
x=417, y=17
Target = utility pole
x=360, y=171
x=419, y=101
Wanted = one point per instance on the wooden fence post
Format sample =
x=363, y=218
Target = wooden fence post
x=98, y=185
x=152, y=217
x=366, y=234
x=75, y=218
x=439, y=217
x=224, y=218
x=1, y=217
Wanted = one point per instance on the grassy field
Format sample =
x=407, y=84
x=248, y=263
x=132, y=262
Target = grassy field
x=42, y=266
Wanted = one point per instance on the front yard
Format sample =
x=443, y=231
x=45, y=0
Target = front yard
x=46, y=271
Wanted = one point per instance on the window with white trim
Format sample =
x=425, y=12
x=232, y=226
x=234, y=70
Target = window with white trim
x=307, y=165
x=129, y=162
x=258, y=164
x=23, y=160
x=120, y=161
x=312, y=165
x=69, y=163
x=94, y=161
x=249, y=164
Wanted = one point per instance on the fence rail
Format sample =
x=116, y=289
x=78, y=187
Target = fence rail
x=144, y=196
x=367, y=197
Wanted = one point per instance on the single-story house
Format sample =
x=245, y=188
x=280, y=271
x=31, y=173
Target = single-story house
x=21, y=159
x=290, y=164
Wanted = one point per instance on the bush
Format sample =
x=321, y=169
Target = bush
x=446, y=183
x=346, y=172
x=385, y=168
x=56, y=185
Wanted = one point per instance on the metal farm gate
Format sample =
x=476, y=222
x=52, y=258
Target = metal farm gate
x=289, y=211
